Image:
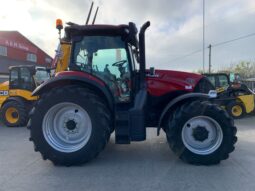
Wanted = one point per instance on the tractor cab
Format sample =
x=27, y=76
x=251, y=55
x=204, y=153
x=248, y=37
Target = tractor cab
x=107, y=52
x=27, y=77
x=107, y=55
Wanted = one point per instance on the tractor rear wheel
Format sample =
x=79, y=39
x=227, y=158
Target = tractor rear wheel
x=201, y=133
x=14, y=114
x=236, y=109
x=70, y=125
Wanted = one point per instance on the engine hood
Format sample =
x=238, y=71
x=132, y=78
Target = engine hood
x=166, y=81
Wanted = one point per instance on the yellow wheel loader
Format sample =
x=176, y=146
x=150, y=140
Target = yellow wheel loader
x=233, y=95
x=16, y=97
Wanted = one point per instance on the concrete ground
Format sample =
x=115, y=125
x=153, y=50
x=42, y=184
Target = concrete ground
x=148, y=165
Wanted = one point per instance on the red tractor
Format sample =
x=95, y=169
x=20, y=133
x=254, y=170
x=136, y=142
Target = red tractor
x=107, y=88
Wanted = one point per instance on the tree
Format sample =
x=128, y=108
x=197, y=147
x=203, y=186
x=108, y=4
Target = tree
x=245, y=69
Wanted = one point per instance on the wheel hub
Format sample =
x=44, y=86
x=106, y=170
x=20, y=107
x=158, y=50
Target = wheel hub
x=15, y=114
x=12, y=115
x=236, y=110
x=67, y=127
x=71, y=125
x=200, y=133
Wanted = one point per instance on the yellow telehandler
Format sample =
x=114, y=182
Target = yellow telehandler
x=16, y=97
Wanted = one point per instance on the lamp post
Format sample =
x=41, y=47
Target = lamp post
x=203, y=36
x=210, y=58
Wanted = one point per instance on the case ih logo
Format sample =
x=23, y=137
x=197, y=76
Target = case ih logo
x=3, y=93
x=190, y=81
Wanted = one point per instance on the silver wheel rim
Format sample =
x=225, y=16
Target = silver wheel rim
x=204, y=145
x=67, y=127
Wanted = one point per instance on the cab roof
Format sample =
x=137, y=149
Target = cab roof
x=111, y=30
x=22, y=66
x=127, y=32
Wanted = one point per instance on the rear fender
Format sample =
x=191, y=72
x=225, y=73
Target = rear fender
x=177, y=102
x=97, y=85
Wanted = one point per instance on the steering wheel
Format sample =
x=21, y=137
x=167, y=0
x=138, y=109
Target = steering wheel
x=119, y=63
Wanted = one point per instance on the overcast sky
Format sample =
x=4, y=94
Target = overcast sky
x=175, y=32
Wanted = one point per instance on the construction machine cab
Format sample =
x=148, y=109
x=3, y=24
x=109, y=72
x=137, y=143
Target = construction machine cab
x=21, y=77
x=27, y=77
x=219, y=80
x=233, y=95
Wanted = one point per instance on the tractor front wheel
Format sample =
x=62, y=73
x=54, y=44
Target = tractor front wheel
x=201, y=133
x=70, y=125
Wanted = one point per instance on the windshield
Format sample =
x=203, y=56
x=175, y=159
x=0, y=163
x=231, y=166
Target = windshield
x=223, y=81
x=92, y=48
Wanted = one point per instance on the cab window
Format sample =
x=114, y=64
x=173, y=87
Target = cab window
x=26, y=81
x=212, y=80
x=14, y=78
x=106, y=58
x=41, y=76
x=223, y=80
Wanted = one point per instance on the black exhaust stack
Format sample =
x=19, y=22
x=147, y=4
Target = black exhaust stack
x=142, y=54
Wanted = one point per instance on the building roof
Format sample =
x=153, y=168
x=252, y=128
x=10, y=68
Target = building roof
x=18, y=37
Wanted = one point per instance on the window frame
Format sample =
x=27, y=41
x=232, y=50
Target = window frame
x=3, y=51
x=31, y=57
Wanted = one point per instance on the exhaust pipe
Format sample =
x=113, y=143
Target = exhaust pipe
x=142, y=54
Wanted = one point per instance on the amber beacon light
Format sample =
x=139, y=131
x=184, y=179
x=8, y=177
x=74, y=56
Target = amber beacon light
x=59, y=24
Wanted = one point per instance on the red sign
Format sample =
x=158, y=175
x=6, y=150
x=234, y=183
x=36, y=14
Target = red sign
x=17, y=45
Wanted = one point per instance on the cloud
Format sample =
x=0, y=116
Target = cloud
x=176, y=26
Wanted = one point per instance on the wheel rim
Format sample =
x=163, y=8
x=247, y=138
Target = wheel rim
x=237, y=110
x=67, y=127
x=12, y=115
x=202, y=135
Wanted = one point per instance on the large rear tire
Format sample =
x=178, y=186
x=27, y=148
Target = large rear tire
x=70, y=125
x=201, y=133
x=14, y=114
